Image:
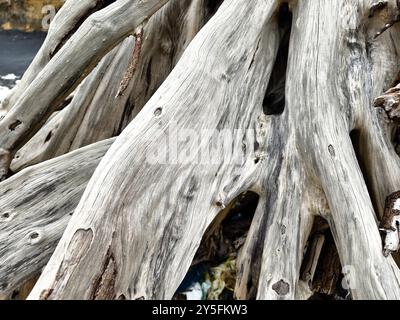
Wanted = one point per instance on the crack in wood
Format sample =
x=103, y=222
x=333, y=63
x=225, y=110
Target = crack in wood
x=104, y=286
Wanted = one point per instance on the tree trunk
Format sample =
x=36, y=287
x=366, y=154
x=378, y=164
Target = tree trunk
x=269, y=97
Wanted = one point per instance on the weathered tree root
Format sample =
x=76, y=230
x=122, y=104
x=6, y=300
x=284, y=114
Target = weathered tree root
x=55, y=138
x=191, y=186
x=36, y=205
x=308, y=144
x=94, y=113
x=58, y=79
x=326, y=153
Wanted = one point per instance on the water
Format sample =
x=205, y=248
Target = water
x=17, y=50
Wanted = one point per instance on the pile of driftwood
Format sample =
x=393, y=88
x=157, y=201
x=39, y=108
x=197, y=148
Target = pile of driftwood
x=140, y=126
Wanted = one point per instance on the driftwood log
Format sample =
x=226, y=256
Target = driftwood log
x=208, y=99
x=31, y=223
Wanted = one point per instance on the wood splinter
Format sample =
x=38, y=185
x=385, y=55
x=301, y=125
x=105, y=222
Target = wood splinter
x=390, y=224
x=133, y=62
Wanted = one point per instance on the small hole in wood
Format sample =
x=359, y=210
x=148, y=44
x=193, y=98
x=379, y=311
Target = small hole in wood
x=48, y=137
x=5, y=215
x=158, y=112
x=331, y=150
x=257, y=160
x=34, y=235
x=15, y=125
x=281, y=287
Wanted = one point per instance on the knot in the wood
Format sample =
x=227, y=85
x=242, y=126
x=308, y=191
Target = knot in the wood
x=281, y=287
x=166, y=47
x=5, y=215
x=13, y=126
x=158, y=112
x=331, y=150
x=34, y=237
x=220, y=204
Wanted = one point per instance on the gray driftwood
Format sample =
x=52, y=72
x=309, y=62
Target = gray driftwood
x=95, y=112
x=36, y=205
x=65, y=71
x=303, y=134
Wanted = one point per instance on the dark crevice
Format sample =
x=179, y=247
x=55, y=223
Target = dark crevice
x=326, y=280
x=15, y=125
x=221, y=242
x=148, y=75
x=355, y=136
x=65, y=103
x=212, y=6
x=395, y=139
x=274, y=99
x=48, y=137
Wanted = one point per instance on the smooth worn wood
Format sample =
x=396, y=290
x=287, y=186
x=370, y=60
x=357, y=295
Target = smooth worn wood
x=160, y=212
x=100, y=33
x=270, y=97
x=36, y=205
x=94, y=112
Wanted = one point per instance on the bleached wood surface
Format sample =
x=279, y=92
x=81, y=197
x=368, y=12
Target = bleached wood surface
x=36, y=205
x=139, y=223
x=159, y=212
x=67, y=69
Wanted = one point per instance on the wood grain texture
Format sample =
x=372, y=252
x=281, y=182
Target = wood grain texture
x=304, y=136
x=337, y=88
x=145, y=226
x=92, y=115
x=35, y=207
x=67, y=69
x=95, y=113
